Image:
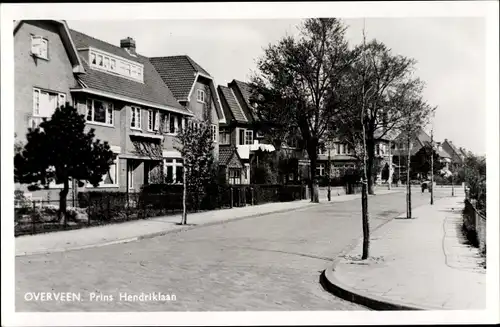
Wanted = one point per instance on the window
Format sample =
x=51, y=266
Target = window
x=111, y=177
x=224, y=137
x=320, y=170
x=214, y=133
x=153, y=120
x=130, y=172
x=46, y=102
x=174, y=124
x=135, y=120
x=321, y=149
x=174, y=171
x=103, y=61
x=248, y=137
x=200, y=96
x=99, y=112
x=40, y=47
x=234, y=176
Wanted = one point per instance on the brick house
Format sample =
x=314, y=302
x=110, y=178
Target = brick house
x=123, y=97
x=194, y=88
x=241, y=128
x=457, y=155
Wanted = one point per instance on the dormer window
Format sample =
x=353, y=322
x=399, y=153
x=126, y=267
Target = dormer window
x=116, y=65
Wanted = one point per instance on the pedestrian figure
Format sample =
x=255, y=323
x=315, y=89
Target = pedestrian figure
x=424, y=187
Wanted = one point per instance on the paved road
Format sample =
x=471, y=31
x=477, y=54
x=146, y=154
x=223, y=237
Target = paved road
x=267, y=263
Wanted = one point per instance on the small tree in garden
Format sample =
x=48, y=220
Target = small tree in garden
x=196, y=147
x=60, y=150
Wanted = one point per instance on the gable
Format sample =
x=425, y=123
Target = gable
x=235, y=162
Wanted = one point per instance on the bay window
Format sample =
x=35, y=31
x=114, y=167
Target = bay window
x=99, y=112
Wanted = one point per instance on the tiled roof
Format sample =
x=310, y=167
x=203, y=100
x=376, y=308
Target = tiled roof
x=228, y=96
x=152, y=90
x=178, y=72
x=226, y=152
x=246, y=91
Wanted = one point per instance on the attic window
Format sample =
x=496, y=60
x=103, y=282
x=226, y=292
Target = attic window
x=113, y=64
x=200, y=96
x=40, y=47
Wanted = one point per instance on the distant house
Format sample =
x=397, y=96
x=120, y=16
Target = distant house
x=457, y=154
x=241, y=128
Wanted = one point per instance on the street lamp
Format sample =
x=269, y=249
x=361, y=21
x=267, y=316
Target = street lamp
x=432, y=166
x=329, y=173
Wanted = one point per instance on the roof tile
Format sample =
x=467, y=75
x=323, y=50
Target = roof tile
x=152, y=90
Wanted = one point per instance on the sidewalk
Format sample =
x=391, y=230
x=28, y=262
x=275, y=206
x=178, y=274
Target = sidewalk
x=419, y=263
x=152, y=227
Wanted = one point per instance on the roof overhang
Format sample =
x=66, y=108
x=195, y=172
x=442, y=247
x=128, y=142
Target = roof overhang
x=131, y=100
x=147, y=135
x=68, y=44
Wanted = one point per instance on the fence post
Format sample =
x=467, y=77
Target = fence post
x=252, y=195
x=33, y=229
x=231, y=196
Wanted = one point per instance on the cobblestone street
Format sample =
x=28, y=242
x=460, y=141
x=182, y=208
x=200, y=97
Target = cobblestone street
x=271, y=262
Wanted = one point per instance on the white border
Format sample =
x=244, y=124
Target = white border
x=121, y=11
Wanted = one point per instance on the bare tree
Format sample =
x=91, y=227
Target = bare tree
x=297, y=75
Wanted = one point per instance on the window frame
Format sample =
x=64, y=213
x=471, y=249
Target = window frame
x=215, y=133
x=202, y=93
x=248, y=132
x=107, y=105
x=116, y=163
x=116, y=65
x=154, y=120
x=38, y=54
x=230, y=178
x=135, y=112
x=40, y=91
x=222, y=139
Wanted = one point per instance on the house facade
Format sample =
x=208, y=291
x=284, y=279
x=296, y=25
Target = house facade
x=241, y=128
x=120, y=92
x=195, y=89
x=457, y=155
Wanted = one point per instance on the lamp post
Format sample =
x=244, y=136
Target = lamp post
x=390, y=166
x=329, y=173
x=432, y=166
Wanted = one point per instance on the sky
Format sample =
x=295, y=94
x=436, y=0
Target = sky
x=450, y=54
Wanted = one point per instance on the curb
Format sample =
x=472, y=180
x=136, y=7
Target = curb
x=181, y=228
x=335, y=287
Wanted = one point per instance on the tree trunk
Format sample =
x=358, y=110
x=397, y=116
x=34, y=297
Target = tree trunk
x=366, y=223
x=62, y=202
x=370, y=151
x=314, y=183
x=408, y=184
x=184, y=197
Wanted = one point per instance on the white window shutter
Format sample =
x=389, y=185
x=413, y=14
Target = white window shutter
x=157, y=120
x=36, y=102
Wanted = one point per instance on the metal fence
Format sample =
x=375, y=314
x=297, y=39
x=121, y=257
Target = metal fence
x=99, y=208
x=474, y=225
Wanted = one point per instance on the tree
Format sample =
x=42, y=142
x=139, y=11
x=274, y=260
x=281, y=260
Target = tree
x=420, y=162
x=382, y=80
x=196, y=147
x=475, y=177
x=60, y=150
x=296, y=76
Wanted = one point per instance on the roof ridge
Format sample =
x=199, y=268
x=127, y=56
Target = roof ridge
x=110, y=44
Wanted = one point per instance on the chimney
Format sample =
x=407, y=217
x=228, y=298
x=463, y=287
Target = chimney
x=128, y=44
